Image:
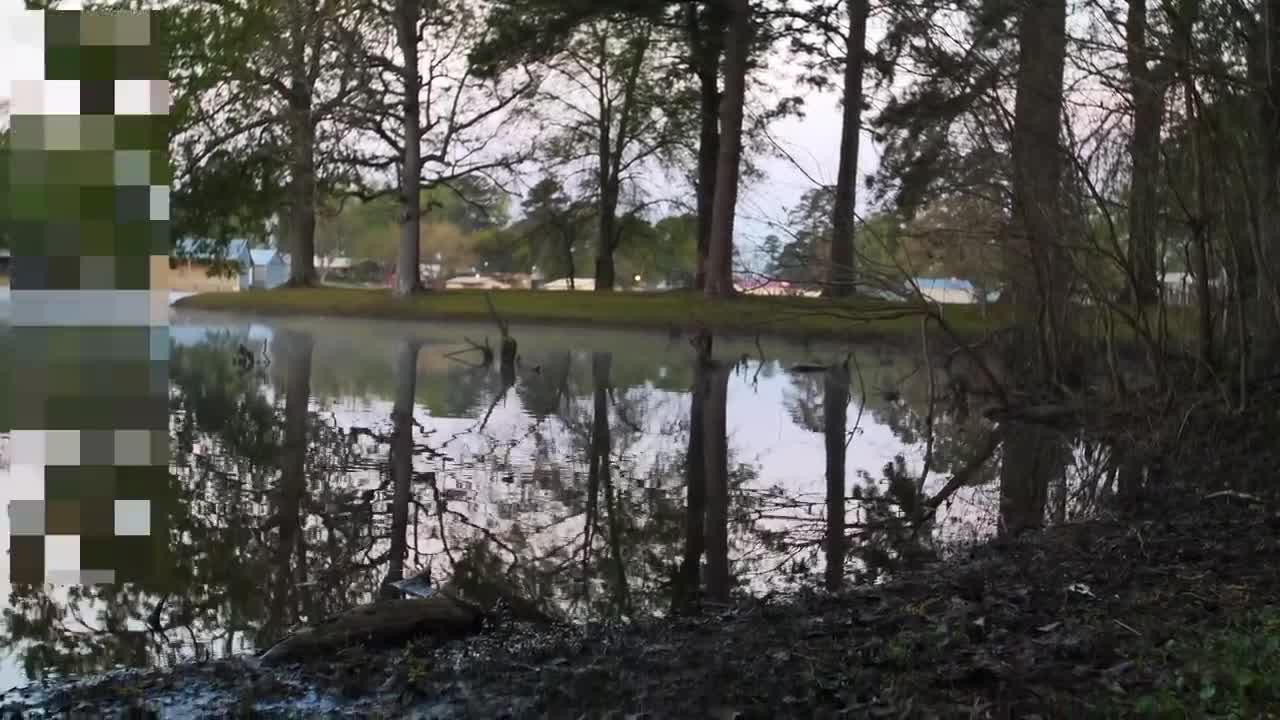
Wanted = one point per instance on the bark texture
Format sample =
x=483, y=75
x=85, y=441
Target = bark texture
x=719, y=281
x=842, y=264
x=408, y=260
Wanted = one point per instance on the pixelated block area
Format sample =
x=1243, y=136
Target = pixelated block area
x=87, y=481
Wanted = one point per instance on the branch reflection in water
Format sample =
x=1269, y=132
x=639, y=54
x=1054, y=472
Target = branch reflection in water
x=598, y=474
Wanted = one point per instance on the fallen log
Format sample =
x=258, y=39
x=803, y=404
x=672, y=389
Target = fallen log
x=384, y=622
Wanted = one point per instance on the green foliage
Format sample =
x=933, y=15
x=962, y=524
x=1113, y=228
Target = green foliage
x=525, y=31
x=555, y=228
x=1232, y=673
x=470, y=202
x=229, y=165
x=936, y=130
x=953, y=237
x=877, y=241
x=233, y=195
x=501, y=250
x=608, y=106
x=809, y=231
x=5, y=240
x=668, y=253
x=460, y=221
x=240, y=73
x=373, y=228
x=467, y=224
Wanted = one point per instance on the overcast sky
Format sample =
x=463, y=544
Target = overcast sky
x=813, y=141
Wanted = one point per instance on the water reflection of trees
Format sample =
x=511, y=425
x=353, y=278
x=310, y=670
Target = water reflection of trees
x=1002, y=476
x=253, y=474
x=622, y=519
x=286, y=516
x=616, y=491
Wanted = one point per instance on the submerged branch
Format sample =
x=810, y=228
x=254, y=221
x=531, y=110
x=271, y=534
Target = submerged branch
x=966, y=473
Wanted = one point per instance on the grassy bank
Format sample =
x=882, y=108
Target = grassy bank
x=788, y=317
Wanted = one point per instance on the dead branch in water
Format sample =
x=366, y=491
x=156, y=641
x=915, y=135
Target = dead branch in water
x=849, y=359
x=503, y=326
x=933, y=400
x=508, y=347
x=759, y=365
x=486, y=353
x=1044, y=414
x=966, y=473
x=1235, y=495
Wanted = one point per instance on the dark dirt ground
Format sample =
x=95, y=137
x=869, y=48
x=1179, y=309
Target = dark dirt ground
x=1172, y=610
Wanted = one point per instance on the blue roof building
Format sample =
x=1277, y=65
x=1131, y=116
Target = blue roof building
x=259, y=267
x=951, y=290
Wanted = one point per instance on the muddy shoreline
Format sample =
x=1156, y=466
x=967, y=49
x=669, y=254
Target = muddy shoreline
x=1083, y=620
x=1169, y=609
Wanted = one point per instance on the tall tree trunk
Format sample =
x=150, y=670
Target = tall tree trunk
x=1037, y=266
x=292, y=488
x=720, y=244
x=600, y=449
x=841, y=272
x=688, y=581
x=708, y=152
x=706, y=42
x=1032, y=458
x=715, y=445
x=1197, y=205
x=601, y=435
x=302, y=250
x=568, y=238
x=1265, y=73
x=615, y=134
x=1147, y=87
x=1129, y=481
x=608, y=231
x=608, y=205
x=1145, y=156
x=835, y=416
x=401, y=460
x=408, y=276
x=1200, y=253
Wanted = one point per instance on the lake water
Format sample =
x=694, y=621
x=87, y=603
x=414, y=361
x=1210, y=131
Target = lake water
x=567, y=477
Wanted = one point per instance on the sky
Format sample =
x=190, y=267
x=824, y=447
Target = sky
x=812, y=141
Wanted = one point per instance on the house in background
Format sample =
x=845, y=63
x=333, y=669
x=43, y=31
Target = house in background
x=327, y=264
x=1180, y=287
x=515, y=280
x=563, y=284
x=190, y=265
x=773, y=288
x=950, y=291
x=475, y=282
x=266, y=269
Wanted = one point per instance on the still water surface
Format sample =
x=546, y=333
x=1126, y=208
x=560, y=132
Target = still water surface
x=588, y=477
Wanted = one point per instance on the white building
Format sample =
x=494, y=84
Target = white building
x=950, y=291
x=475, y=282
x=336, y=262
x=1180, y=287
x=563, y=284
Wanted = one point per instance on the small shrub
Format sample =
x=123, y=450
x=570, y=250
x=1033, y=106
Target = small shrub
x=1232, y=673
